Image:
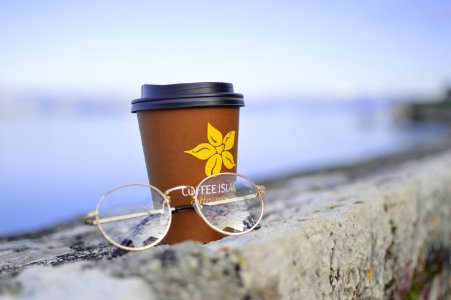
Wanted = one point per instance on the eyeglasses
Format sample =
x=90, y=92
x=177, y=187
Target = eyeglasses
x=138, y=216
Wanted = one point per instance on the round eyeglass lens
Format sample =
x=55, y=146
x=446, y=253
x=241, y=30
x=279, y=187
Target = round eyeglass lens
x=134, y=216
x=229, y=203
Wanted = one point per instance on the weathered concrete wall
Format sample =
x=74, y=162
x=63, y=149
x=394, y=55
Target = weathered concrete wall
x=386, y=235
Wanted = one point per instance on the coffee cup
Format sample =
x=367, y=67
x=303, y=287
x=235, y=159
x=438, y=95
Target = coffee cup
x=189, y=131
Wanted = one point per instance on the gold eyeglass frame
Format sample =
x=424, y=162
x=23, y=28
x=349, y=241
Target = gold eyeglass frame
x=92, y=218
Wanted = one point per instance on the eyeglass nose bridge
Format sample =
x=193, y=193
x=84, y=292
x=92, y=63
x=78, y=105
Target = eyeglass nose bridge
x=186, y=191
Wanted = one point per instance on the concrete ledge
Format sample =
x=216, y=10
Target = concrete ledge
x=385, y=235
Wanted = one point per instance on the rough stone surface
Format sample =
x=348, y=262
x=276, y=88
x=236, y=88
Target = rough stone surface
x=326, y=236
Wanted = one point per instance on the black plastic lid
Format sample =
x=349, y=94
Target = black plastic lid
x=182, y=95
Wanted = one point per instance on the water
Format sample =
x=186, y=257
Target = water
x=53, y=169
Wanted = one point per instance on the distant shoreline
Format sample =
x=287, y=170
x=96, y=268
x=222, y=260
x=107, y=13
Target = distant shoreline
x=376, y=164
x=413, y=113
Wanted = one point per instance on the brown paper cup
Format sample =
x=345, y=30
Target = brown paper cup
x=188, y=132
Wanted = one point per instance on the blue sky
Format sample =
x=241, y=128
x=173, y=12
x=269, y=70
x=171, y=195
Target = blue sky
x=267, y=48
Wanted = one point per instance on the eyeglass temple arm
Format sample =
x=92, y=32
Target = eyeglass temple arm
x=91, y=217
x=261, y=190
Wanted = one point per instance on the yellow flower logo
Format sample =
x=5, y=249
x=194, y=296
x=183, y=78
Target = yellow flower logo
x=215, y=151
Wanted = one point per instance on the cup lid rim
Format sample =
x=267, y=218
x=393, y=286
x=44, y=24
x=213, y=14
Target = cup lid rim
x=156, y=104
x=180, y=95
x=145, y=99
